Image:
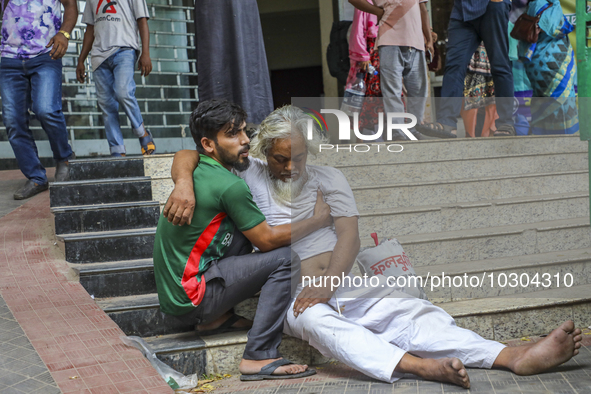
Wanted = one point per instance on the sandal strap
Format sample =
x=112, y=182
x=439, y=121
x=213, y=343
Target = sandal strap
x=271, y=367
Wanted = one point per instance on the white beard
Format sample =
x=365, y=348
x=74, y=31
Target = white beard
x=284, y=192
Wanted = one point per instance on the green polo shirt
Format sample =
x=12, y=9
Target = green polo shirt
x=182, y=254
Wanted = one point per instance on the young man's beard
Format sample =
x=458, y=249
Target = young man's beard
x=284, y=192
x=236, y=162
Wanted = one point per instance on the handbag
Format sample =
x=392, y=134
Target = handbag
x=526, y=27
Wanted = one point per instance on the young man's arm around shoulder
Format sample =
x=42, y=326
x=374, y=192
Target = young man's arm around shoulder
x=180, y=207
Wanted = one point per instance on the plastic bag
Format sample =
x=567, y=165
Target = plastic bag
x=176, y=380
x=388, y=259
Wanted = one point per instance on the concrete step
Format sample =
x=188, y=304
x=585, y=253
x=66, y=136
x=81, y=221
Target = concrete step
x=117, y=279
x=499, y=318
x=515, y=316
x=188, y=353
x=394, y=195
x=494, y=242
x=108, y=246
x=140, y=315
x=101, y=191
x=106, y=217
x=472, y=215
x=506, y=276
x=369, y=174
x=102, y=168
x=456, y=149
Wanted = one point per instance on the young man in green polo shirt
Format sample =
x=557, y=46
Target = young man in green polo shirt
x=204, y=269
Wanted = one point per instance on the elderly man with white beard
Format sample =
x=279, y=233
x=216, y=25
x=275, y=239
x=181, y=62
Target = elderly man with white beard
x=379, y=331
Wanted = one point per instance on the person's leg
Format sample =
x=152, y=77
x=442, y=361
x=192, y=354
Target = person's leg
x=391, y=69
x=15, y=91
x=489, y=120
x=493, y=28
x=415, y=79
x=107, y=101
x=469, y=117
x=46, y=99
x=123, y=69
x=235, y=279
x=462, y=42
x=345, y=340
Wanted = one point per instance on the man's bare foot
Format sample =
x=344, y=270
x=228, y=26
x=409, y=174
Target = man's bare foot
x=240, y=323
x=447, y=370
x=250, y=367
x=560, y=346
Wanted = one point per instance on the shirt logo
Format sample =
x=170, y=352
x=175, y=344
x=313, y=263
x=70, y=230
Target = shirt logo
x=109, y=8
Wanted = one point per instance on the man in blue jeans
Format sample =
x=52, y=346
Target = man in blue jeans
x=472, y=22
x=112, y=34
x=33, y=42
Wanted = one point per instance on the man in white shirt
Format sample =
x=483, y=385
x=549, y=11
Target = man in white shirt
x=378, y=331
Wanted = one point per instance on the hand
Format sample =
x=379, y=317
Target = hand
x=309, y=297
x=322, y=211
x=429, y=48
x=145, y=64
x=81, y=72
x=181, y=204
x=60, y=46
x=497, y=1
x=363, y=66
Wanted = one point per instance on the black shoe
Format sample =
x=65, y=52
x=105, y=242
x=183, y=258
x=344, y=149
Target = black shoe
x=29, y=190
x=62, y=171
x=417, y=134
x=398, y=135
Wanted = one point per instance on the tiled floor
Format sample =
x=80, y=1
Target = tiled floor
x=21, y=368
x=573, y=377
x=63, y=327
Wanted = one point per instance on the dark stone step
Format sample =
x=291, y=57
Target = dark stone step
x=104, y=191
x=117, y=279
x=109, y=246
x=141, y=315
x=106, y=217
x=120, y=167
x=185, y=352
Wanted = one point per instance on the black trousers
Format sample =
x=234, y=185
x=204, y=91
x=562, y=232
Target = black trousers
x=238, y=277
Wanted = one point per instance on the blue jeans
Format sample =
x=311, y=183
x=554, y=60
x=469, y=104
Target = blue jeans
x=115, y=85
x=37, y=84
x=463, y=39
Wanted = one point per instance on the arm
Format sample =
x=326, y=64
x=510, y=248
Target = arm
x=144, y=64
x=365, y=6
x=426, y=24
x=267, y=238
x=181, y=203
x=86, y=47
x=341, y=261
x=358, y=40
x=59, y=41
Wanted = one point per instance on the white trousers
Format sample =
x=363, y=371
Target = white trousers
x=379, y=325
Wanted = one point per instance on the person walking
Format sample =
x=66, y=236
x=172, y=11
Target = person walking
x=112, y=35
x=473, y=21
x=33, y=42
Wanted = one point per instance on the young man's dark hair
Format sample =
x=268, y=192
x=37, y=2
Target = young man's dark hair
x=211, y=116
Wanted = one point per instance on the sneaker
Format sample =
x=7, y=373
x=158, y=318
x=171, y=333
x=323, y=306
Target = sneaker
x=29, y=190
x=62, y=171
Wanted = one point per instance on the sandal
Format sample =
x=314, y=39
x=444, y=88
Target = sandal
x=225, y=327
x=147, y=143
x=267, y=370
x=436, y=130
x=505, y=130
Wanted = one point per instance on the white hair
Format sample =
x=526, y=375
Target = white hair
x=281, y=124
